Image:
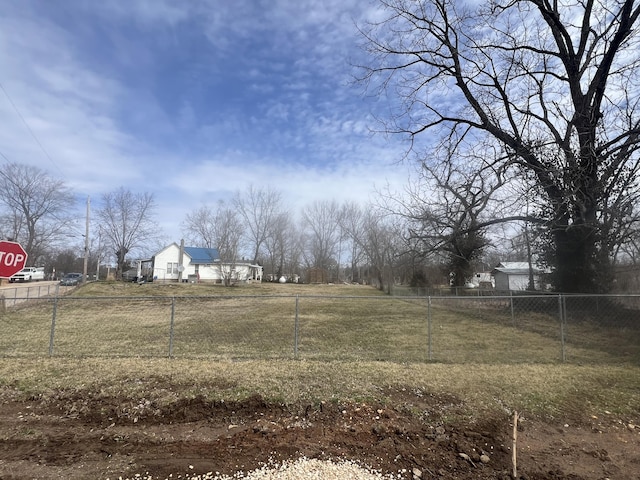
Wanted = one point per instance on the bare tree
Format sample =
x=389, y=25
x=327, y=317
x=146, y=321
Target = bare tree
x=66, y=260
x=37, y=208
x=556, y=84
x=281, y=246
x=127, y=222
x=321, y=219
x=382, y=243
x=376, y=243
x=259, y=208
x=352, y=223
x=200, y=226
x=219, y=228
x=229, y=231
x=453, y=217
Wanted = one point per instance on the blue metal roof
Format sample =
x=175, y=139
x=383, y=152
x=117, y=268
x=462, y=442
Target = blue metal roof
x=202, y=255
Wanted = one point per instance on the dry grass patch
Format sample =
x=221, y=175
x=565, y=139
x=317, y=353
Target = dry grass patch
x=25, y=329
x=314, y=322
x=234, y=327
x=210, y=289
x=550, y=391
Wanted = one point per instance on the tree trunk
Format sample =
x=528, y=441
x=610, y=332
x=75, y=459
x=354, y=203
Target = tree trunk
x=581, y=260
x=578, y=266
x=380, y=275
x=120, y=256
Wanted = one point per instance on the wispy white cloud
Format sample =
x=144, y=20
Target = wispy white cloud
x=191, y=100
x=147, y=13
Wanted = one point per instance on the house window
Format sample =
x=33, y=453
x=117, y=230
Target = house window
x=172, y=267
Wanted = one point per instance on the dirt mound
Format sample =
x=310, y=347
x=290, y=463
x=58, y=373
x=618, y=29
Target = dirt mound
x=417, y=436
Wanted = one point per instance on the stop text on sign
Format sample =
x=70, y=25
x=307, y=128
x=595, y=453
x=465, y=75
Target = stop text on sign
x=11, y=259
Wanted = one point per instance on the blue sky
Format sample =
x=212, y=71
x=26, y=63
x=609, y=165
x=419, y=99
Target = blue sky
x=193, y=100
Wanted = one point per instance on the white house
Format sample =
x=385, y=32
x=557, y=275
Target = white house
x=198, y=264
x=514, y=276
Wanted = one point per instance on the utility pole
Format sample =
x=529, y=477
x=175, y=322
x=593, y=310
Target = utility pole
x=86, y=244
x=99, y=255
x=180, y=260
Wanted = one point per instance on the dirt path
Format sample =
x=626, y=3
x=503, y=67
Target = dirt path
x=81, y=438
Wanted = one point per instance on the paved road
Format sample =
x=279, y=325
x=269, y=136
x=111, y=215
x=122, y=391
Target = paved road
x=15, y=293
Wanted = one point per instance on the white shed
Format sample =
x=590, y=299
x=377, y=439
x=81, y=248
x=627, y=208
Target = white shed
x=514, y=276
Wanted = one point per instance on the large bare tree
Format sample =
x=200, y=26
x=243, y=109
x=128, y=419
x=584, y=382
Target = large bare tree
x=375, y=243
x=229, y=231
x=282, y=246
x=454, y=220
x=219, y=228
x=382, y=243
x=127, y=222
x=259, y=208
x=555, y=83
x=322, y=226
x=201, y=227
x=352, y=218
x=37, y=209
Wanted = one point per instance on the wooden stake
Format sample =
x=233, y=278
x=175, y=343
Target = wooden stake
x=515, y=444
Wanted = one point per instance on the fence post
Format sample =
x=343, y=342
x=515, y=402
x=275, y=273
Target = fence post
x=429, y=328
x=562, y=313
x=513, y=314
x=173, y=313
x=295, y=329
x=53, y=325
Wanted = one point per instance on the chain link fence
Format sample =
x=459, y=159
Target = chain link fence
x=445, y=329
x=21, y=292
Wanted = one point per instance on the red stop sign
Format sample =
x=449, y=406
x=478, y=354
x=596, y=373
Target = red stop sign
x=12, y=258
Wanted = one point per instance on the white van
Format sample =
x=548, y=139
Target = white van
x=28, y=274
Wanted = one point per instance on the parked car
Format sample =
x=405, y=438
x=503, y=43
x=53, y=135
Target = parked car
x=71, y=279
x=28, y=274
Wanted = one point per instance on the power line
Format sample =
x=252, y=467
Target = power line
x=29, y=128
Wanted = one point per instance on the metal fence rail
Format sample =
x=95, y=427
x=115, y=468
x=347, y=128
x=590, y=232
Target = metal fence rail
x=448, y=329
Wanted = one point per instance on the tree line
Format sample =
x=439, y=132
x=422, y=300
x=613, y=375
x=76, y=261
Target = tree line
x=401, y=239
x=349, y=242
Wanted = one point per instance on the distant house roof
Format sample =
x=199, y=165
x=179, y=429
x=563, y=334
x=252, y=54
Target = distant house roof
x=202, y=255
x=516, y=265
x=515, y=268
